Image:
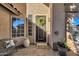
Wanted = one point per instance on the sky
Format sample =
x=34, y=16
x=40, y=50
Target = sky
x=18, y=21
x=76, y=21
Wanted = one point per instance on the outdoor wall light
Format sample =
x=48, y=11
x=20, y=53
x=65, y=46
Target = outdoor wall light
x=56, y=33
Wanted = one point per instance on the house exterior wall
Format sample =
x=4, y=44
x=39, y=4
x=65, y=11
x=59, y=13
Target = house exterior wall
x=5, y=19
x=51, y=25
x=37, y=9
x=58, y=23
x=22, y=8
x=55, y=22
x=4, y=23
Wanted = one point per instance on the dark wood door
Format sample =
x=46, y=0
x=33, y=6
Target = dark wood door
x=40, y=29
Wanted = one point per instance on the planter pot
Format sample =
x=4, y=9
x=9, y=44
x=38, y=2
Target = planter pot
x=62, y=51
x=26, y=43
x=55, y=47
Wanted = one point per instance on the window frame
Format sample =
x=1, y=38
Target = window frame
x=30, y=26
x=19, y=29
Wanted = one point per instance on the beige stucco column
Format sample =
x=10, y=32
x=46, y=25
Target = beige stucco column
x=50, y=40
x=57, y=25
x=59, y=22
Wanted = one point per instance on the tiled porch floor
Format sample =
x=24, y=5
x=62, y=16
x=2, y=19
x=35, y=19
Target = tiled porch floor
x=33, y=50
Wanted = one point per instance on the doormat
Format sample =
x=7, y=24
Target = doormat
x=42, y=45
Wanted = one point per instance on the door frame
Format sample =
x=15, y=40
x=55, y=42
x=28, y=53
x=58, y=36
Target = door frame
x=34, y=27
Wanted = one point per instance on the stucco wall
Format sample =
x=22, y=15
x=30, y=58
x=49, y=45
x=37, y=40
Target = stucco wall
x=21, y=7
x=58, y=23
x=5, y=19
x=37, y=9
x=4, y=23
x=50, y=36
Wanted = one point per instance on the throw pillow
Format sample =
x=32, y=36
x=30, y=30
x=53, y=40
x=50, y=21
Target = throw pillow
x=9, y=43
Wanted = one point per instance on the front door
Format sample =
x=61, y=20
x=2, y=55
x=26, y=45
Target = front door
x=40, y=28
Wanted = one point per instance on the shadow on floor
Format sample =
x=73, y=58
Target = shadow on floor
x=33, y=50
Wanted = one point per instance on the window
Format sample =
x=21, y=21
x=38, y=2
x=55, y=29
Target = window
x=17, y=27
x=72, y=25
x=30, y=25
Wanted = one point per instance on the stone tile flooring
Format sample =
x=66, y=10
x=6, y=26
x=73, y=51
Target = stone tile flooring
x=33, y=50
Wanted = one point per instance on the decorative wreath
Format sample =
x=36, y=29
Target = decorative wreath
x=41, y=21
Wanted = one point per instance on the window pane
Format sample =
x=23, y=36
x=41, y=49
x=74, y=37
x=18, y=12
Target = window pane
x=30, y=25
x=29, y=18
x=22, y=31
x=22, y=26
x=18, y=31
x=30, y=30
x=30, y=33
x=13, y=31
x=22, y=34
x=17, y=26
x=13, y=35
x=18, y=34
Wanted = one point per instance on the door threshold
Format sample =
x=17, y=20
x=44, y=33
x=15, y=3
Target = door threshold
x=41, y=43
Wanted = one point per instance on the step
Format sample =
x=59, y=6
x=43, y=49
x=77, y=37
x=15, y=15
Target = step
x=42, y=45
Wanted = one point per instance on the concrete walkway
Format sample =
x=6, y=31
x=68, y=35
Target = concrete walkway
x=33, y=50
